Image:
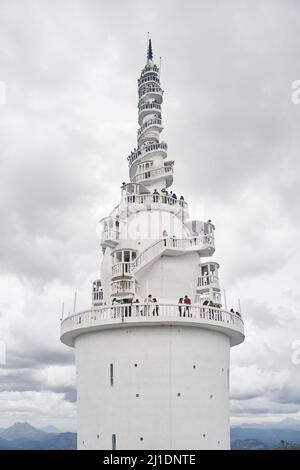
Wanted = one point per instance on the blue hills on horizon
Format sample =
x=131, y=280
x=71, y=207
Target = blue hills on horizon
x=266, y=436
x=24, y=436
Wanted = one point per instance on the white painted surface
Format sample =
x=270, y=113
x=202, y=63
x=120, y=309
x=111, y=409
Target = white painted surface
x=165, y=356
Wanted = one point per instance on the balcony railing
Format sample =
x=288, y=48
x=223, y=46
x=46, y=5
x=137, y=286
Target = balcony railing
x=154, y=173
x=203, y=242
x=149, y=67
x=148, y=78
x=150, y=89
x=97, y=296
x=145, y=150
x=207, y=280
x=152, y=122
x=145, y=106
x=121, y=269
x=110, y=236
x=122, y=287
x=155, y=200
x=140, y=314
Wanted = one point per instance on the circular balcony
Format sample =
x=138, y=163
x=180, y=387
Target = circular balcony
x=123, y=287
x=149, y=68
x=153, y=124
x=158, y=149
x=136, y=202
x=151, y=93
x=151, y=176
x=109, y=237
x=136, y=315
x=122, y=269
x=146, y=108
x=150, y=135
x=208, y=280
x=150, y=78
x=97, y=293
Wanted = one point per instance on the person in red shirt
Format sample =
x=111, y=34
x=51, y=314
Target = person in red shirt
x=187, y=302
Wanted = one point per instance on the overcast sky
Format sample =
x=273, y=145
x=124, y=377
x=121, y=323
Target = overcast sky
x=68, y=123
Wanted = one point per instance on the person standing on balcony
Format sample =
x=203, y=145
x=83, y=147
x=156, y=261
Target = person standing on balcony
x=148, y=301
x=164, y=193
x=137, y=308
x=155, y=195
x=187, y=302
x=181, y=308
x=181, y=201
x=165, y=236
x=114, y=309
x=196, y=234
x=155, y=307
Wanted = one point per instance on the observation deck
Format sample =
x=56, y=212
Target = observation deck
x=137, y=202
x=155, y=174
x=136, y=315
x=146, y=108
x=149, y=92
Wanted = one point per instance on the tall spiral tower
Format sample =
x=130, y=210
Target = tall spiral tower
x=153, y=350
x=148, y=164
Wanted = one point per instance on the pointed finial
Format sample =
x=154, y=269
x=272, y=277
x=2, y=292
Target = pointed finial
x=149, y=52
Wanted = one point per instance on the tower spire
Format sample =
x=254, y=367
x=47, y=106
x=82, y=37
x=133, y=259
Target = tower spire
x=149, y=52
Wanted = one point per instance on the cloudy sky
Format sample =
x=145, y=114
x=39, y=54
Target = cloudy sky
x=67, y=124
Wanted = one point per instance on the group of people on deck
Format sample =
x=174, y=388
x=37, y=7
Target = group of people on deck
x=236, y=313
x=184, y=306
x=150, y=307
x=129, y=307
x=167, y=197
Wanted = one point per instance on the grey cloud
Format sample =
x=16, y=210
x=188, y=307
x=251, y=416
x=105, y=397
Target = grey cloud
x=70, y=121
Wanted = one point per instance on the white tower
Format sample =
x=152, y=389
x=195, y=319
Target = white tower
x=153, y=371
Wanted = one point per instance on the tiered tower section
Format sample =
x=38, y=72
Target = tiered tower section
x=147, y=164
x=152, y=352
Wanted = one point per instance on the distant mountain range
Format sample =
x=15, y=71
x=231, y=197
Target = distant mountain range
x=287, y=423
x=23, y=436
x=265, y=436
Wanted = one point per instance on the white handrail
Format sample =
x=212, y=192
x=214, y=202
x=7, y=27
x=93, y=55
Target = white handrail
x=144, y=150
x=207, y=280
x=149, y=312
x=110, y=234
x=151, y=89
x=151, y=122
x=170, y=242
x=155, y=172
x=153, y=199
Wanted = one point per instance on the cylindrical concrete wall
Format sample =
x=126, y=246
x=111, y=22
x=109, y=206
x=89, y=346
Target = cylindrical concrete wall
x=153, y=387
